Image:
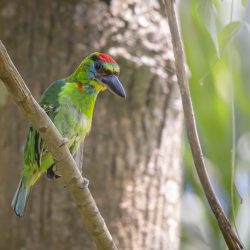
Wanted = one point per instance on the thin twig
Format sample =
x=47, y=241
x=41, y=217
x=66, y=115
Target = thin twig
x=233, y=186
x=66, y=166
x=230, y=237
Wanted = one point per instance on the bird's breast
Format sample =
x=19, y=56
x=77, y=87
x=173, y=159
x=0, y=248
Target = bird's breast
x=70, y=122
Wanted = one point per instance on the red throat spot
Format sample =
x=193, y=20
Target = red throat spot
x=106, y=58
x=79, y=86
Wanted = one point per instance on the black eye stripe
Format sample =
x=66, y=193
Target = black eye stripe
x=101, y=70
x=94, y=58
x=98, y=66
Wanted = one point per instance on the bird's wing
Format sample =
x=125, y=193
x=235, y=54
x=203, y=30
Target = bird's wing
x=35, y=147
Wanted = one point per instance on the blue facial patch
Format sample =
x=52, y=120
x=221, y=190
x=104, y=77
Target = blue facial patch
x=92, y=72
x=90, y=89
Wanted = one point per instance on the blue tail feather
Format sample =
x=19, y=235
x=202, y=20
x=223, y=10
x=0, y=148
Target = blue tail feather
x=20, y=199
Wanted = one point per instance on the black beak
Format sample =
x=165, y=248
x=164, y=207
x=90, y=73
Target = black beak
x=113, y=84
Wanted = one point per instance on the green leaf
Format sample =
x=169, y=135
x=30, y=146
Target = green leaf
x=244, y=2
x=208, y=14
x=216, y=4
x=227, y=34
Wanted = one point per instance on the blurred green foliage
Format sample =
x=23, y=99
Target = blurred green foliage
x=216, y=37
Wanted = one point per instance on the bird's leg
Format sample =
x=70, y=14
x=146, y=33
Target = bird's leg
x=51, y=173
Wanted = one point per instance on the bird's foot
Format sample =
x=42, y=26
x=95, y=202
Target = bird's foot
x=51, y=173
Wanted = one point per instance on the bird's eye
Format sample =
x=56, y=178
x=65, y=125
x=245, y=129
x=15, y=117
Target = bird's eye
x=108, y=72
x=98, y=66
x=94, y=58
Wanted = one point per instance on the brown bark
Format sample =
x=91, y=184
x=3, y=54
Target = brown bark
x=132, y=156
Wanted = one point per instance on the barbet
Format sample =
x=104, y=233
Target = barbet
x=69, y=103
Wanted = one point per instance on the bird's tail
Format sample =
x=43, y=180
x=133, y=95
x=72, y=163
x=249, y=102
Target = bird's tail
x=20, y=199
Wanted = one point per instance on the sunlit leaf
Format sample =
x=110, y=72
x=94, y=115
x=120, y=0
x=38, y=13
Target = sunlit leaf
x=227, y=34
x=208, y=13
x=244, y=2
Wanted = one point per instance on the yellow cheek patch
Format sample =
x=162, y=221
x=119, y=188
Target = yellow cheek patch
x=100, y=87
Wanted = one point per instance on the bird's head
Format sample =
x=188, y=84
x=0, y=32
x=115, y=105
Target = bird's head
x=100, y=71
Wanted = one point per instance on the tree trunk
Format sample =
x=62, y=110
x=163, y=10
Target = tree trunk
x=132, y=155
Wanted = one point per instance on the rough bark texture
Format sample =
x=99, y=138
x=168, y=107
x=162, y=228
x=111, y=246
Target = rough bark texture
x=132, y=156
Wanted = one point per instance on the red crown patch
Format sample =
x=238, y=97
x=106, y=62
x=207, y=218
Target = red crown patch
x=106, y=58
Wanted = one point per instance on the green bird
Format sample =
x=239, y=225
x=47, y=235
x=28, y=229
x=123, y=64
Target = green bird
x=69, y=103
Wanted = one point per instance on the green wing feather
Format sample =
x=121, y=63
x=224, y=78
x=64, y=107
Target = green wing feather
x=70, y=122
x=37, y=159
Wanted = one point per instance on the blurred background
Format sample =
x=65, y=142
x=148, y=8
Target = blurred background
x=136, y=157
x=216, y=39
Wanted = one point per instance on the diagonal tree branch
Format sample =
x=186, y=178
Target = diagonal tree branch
x=66, y=166
x=230, y=237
